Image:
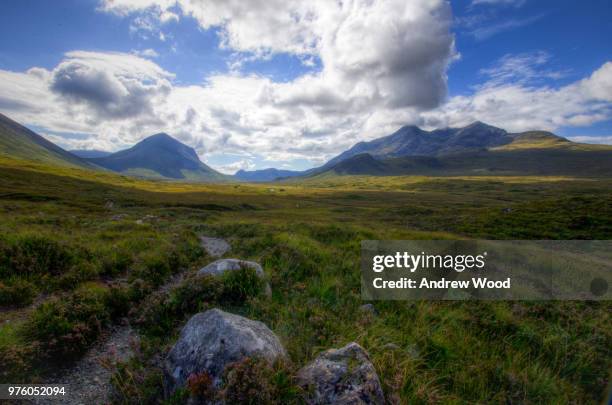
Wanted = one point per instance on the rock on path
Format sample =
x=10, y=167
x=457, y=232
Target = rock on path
x=341, y=377
x=215, y=247
x=213, y=339
x=221, y=266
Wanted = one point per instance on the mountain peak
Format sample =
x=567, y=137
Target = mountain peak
x=479, y=124
x=160, y=155
x=162, y=137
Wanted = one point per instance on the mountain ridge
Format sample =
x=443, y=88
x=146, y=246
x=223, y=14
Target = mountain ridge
x=160, y=156
x=17, y=141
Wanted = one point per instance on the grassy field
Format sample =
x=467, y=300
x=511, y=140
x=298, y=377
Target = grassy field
x=81, y=250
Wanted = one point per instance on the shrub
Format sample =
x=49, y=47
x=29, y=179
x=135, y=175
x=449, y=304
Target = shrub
x=248, y=382
x=162, y=311
x=117, y=301
x=77, y=274
x=33, y=255
x=154, y=267
x=17, y=292
x=194, y=292
x=155, y=315
x=254, y=381
x=115, y=262
x=135, y=382
x=239, y=285
x=290, y=264
x=200, y=386
x=65, y=327
x=139, y=289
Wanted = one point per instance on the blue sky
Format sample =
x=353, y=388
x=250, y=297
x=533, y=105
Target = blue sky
x=297, y=83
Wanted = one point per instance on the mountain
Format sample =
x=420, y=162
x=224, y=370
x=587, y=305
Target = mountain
x=477, y=149
x=89, y=153
x=414, y=141
x=265, y=174
x=160, y=156
x=19, y=142
x=530, y=153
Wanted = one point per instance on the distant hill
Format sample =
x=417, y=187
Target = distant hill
x=89, y=153
x=160, y=156
x=530, y=153
x=414, y=141
x=19, y=142
x=265, y=174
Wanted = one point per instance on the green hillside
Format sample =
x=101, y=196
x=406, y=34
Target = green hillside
x=88, y=265
x=17, y=141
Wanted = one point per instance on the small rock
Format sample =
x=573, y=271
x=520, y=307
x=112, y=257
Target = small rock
x=213, y=339
x=390, y=346
x=139, y=222
x=507, y=210
x=413, y=351
x=220, y=266
x=215, y=247
x=368, y=308
x=118, y=217
x=341, y=376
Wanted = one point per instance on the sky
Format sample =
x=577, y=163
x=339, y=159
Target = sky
x=289, y=84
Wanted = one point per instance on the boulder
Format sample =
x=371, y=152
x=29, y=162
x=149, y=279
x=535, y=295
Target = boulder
x=220, y=266
x=341, y=376
x=215, y=247
x=213, y=339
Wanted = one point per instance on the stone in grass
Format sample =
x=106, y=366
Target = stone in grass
x=213, y=339
x=215, y=247
x=341, y=376
x=368, y=309
x=221, y=266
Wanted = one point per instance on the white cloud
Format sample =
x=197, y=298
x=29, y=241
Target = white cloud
x=146, y=53
x=511, y=102
x=232, y=168
x=604, y=140
x=521, y=68
x=487, y=31
x=383, y=65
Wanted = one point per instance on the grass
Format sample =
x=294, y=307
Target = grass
x=91, y=263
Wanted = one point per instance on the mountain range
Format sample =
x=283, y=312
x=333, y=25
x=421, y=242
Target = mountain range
x=477, y=149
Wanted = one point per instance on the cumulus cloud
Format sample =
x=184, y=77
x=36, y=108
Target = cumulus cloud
x=110, y=86
x=604, y=140
x=232, y=168
x=512, y=101
x=381, y=65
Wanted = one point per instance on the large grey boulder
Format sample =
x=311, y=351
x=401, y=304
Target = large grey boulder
x=213, y=339
x=341, y=376
x=221, y=266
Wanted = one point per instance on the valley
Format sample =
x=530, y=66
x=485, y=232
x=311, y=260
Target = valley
x=86, y=251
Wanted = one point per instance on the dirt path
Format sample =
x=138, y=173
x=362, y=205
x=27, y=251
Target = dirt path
x=89, y=380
